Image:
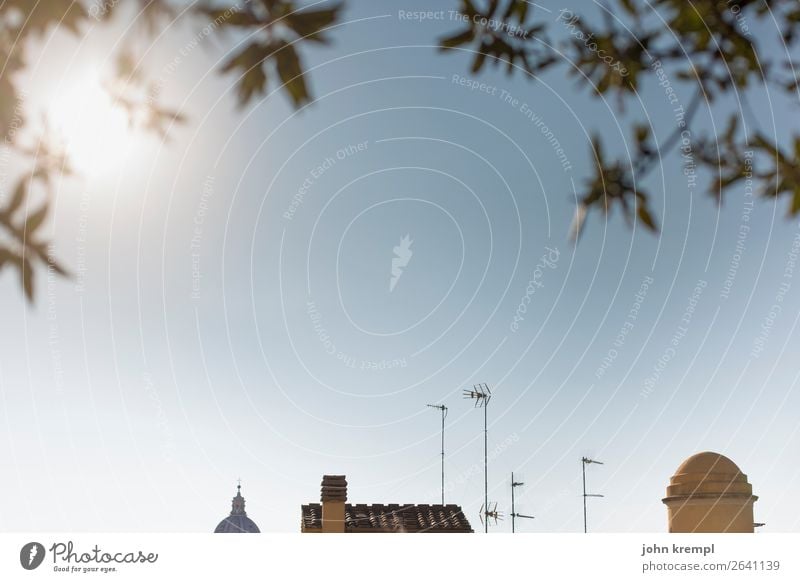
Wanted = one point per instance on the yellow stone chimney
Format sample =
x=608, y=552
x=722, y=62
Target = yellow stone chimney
x=709, y=494
x=334, y=497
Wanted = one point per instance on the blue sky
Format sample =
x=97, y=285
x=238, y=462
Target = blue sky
x=131, y=402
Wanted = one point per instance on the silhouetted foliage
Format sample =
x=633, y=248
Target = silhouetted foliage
x=504, y=35
x=278, y=27
x=23, y=222
x=710, y=44
x=706, y=45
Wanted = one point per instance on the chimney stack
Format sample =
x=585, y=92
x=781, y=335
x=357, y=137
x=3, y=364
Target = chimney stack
x=710, y=494
x=334, y=497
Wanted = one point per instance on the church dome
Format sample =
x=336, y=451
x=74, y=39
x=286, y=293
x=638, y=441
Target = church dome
x=237, y=521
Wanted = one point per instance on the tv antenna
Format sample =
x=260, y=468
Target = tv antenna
x=443, y=409
x=514, y=514
x=587, y=461
x=489, y=512
x=481, y=394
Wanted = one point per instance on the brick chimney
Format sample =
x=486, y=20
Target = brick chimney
x=334, y=496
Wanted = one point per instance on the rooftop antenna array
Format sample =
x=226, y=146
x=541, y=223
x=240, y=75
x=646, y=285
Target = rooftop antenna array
x=587, y=461
x=443, y=409
x=489, y=512
x=481, y=394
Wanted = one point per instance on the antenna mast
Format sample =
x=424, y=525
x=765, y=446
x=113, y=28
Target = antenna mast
x=481, y=394
x=587, y=461
x=443, y=408
x=514, y=514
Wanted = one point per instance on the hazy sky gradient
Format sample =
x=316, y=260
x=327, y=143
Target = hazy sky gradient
x=129, y=404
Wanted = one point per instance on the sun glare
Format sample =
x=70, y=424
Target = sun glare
x=92, y=129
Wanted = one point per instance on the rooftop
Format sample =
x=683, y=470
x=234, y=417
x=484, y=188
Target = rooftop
x=392, y=517
x=335, y=515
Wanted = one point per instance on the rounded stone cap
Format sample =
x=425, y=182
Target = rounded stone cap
x=708, y=462
x=708, y=474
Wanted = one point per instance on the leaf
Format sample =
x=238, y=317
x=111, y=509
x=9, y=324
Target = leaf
x=155, y=13
x=645, y=216
x=480, y=59
x=18, y=196
x=629, y=7
x=311, y=24
x=251, y=55
x=35, y=220
x=733, y=124
x=642, y=132
x=291, y=73
x=518, y=8
x=127, y=67
x=6, y=256
x=26, y=274
x=11, y=118
x=37, y=17
x=468, y=8
x=795, y=207
x=160, y=119
x=457, y=39
x=254, y=78
x=231, y=17
x=56, y=266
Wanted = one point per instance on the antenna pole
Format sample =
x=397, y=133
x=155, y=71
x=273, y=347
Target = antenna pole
x=587, y=461
x=583, y=468
x=443, y=408
x=514, y=514
x=482, y=394
x=444, y=414
x=486, y=463
x=513, y=510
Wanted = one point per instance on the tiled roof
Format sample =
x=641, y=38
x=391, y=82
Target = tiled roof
x=392, y=517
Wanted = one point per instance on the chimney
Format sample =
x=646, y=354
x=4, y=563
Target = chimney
x=334, y=496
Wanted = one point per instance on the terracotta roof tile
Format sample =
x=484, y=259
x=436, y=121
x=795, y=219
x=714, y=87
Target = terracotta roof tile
x=392, y=517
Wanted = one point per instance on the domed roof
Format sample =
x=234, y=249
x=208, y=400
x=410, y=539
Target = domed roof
x=237, y=521
x=237, y=524
x=709, y=474
x=708, y=462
